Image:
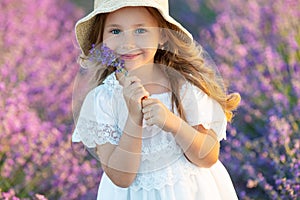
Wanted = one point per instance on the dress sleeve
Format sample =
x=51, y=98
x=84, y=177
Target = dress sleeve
x=95, y=124
x=202, y=109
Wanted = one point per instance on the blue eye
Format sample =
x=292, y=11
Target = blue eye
x=140, y=31
x=115, y=31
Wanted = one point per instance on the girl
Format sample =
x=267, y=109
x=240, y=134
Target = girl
x=156, y=128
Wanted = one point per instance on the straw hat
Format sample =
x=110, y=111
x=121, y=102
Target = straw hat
x=84, y=26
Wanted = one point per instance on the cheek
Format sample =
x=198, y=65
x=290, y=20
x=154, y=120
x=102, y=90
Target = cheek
x=147, y=43
x=150, y=56
x=111, y=42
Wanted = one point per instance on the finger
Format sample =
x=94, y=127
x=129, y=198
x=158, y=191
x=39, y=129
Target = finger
x=148, y=101
x=147, y=109
x=149, y=121
x=137, y=86
x=147, y=115
x=142, y=91
x=132, y=90
x=130, y=80
x=145, y=97
x=121, y=78
x=139, y=94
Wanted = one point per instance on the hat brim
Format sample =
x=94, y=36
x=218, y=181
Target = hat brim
x=85, y=25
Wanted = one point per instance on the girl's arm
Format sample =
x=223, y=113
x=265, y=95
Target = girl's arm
x=121, y=162
x=200, y=145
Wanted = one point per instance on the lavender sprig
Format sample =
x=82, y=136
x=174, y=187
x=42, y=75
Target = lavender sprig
x=107, y=57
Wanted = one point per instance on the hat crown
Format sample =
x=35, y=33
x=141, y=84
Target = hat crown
x=110, y=5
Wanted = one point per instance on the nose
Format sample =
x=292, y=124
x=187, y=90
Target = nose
x=128, y=40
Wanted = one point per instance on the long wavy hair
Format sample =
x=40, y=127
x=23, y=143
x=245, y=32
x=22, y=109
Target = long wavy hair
x=179, y=53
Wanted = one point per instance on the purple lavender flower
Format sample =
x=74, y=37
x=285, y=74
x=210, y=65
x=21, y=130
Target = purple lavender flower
x=258, y=51
x=107, y=57
x=35, y=106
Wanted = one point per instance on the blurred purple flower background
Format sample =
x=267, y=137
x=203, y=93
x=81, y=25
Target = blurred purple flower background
x=257, y=48
x=256, y=45
x=38, y=66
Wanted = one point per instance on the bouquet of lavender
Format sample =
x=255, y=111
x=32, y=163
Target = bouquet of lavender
x=107, y=57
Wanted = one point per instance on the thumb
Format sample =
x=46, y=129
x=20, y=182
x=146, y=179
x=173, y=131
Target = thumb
x=121, y=77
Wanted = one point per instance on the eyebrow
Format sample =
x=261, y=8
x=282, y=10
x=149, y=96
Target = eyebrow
x=117, y=25
x=113, y=25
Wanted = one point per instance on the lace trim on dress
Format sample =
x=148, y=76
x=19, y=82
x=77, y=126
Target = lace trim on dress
x=181, y=169
x=161, y=146
x=112, y=83
x=159, y=152
x=92, y=133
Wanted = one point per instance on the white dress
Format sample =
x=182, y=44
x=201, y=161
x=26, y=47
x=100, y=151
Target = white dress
x=165, y=173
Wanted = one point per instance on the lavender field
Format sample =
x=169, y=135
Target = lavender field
x=255, y=44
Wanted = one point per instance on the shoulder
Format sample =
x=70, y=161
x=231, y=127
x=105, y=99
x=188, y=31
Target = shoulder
x=106, y=90
x=190, y=92
x=194, y=95
x=98, y=93
x=203, y=109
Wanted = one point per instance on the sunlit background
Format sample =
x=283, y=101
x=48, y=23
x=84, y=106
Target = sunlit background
x=255, y=44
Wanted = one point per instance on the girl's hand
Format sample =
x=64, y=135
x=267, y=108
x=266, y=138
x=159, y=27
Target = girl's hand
x=133, y=92
x=156, y=113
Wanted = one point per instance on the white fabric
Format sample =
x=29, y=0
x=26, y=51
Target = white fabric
x=201, y=109
x=165, y=173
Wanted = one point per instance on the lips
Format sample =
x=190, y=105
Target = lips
x=129, y=56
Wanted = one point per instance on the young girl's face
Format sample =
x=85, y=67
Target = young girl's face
x=133, y=33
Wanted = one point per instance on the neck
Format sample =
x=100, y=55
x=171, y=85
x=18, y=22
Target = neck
x=144, y=73
x=152, y=77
